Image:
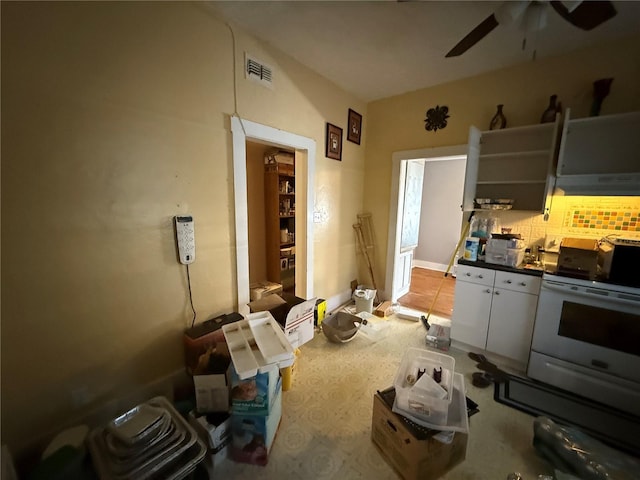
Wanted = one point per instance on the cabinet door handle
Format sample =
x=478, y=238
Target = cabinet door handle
x=468, y=274
x=508, y=281
x=496, y=293
x=487, y=291
x=480, y=276
x=523, y=284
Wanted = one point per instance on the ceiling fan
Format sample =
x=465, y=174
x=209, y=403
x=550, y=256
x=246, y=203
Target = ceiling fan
x=532, y=16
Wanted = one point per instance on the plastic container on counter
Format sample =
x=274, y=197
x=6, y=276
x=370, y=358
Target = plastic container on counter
x=471, y=246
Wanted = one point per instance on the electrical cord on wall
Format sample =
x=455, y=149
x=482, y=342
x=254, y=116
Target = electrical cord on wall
x=193, y=322
x=235, y=83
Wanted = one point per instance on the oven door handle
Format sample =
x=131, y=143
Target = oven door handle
x=547, y=285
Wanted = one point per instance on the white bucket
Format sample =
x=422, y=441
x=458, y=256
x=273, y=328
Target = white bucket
x=364, y=300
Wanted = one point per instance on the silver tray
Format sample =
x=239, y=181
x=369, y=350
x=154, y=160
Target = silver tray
x=118, y=449
x=165, y=459
x=184, y=465
x=133, y=465
x=135, y=424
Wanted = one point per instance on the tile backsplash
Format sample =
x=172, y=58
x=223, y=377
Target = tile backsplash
x=575, y=216
x=588, y=218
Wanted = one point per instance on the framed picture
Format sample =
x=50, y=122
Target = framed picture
x=334, y=142
x=355, y=126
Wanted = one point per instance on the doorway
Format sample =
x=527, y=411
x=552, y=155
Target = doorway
x=398, y=272
x=305, y=156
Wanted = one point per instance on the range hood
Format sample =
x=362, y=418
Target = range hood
x=623, y=184
x=600, y=155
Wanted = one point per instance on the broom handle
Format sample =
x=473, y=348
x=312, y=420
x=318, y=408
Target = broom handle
x=465, y=231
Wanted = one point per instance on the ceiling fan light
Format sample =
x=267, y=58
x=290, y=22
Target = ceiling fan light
x=571, y=5
x=536, y=17
x=510, y=12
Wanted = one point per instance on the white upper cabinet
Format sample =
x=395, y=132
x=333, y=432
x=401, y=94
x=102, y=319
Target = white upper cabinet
x=512, y=163
x=600, y=155
x=600, y=145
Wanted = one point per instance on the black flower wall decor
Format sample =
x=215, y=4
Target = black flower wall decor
x=436, y=118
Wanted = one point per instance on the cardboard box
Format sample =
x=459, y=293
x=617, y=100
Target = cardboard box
x=259, y=290
x=211, y=382
x=252, y=436
x=413, y=459
x=579, y=257
x=294, y=314
x=215, y=430
x=212, y=393
x=298, y=327
x=278, y=305
x=279, y=156
x=383, y=310
x=203, y=338
x=255, y=395
x=214, y=458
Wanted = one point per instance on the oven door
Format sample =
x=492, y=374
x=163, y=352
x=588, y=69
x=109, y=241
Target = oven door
x=584, y=326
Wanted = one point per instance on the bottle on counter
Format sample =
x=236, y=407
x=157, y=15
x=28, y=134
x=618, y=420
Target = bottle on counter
x=471, y=245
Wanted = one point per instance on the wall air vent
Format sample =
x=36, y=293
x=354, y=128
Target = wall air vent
x=258, y=71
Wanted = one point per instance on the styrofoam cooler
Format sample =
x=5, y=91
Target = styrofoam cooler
x=423, y=397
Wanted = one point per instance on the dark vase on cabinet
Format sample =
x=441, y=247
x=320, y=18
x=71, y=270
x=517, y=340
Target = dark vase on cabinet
x=549, y=115
x=499, y=121
x=601, y=89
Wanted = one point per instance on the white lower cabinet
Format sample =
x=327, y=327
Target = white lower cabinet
x=495, y=311
x=472, y=305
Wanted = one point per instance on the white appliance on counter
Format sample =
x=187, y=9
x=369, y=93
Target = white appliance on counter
x=586, y=340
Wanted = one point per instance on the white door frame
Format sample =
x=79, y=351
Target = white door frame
x=242, y=131
x=395, y=199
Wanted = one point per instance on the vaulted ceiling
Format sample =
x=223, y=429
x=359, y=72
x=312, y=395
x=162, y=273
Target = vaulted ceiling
x=377, y=49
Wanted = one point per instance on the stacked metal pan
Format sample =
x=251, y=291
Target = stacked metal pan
x=150, y=441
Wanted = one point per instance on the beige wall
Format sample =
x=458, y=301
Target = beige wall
x=115, y=118
x=397, y=123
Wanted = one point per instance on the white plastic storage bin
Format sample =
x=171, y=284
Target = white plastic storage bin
x=457, y=419
x=511, y=257
x=257, y=345
x=422, y=397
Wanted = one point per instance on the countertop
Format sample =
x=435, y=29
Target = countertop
x=533, y=270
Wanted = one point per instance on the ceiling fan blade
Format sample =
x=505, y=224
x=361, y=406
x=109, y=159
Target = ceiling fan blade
x=588, y=15
x=474, y=36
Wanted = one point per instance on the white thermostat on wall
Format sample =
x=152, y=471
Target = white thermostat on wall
x=185, y=237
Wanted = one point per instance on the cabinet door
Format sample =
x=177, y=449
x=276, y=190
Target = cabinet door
x=599, y=145
x=471, y=308
x=471, y=170
x=511, y=324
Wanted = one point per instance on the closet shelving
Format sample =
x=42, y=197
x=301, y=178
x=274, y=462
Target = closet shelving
x=280, y=201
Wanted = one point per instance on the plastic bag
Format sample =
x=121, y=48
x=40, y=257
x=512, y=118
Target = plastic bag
x=574, y=452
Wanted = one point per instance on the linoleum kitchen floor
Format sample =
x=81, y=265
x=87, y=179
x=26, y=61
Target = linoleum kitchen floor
x=325, y=432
